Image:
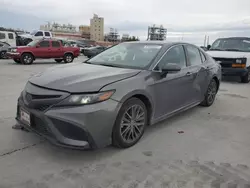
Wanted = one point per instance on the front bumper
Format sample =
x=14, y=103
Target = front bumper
x=83, y=127
x=234, y=71
x=13, y=55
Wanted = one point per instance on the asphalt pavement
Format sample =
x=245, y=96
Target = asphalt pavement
x=203, y=147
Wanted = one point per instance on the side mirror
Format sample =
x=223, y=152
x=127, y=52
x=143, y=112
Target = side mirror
x=170, y=67
x=208, y=47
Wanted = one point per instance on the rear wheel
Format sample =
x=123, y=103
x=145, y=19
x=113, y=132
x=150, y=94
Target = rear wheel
x=58, y=60
x=130, y=123
x=17, y=61
x=68, y=58
x=210, y=94
x=246, y=78
x=27, y=59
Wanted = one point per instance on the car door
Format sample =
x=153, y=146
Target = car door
x=172, y=91
x=197, y=72
x=43, y=49
x=56, y=50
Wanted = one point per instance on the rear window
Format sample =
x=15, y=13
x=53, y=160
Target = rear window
x=10, y=35
x=47, y=34
x=44, y=44
x=55, y=44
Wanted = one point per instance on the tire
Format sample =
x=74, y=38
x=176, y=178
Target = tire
x=246, y=78
x=125, y=114
x=89, y=56
x=210, y=94
x=17, y=61
x=2, y=55
x=27, y=59
x=58, y=60
x=68, y=58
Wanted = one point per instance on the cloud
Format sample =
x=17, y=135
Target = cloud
x=192, y=19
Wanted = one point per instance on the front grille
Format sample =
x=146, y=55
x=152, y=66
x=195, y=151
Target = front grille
x=38, y=125
x=226, y=62
x=40, y=102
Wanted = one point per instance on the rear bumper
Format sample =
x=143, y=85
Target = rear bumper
x=234, y=71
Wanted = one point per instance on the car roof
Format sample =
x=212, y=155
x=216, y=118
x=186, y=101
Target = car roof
x=241, y=38
x=164, y=43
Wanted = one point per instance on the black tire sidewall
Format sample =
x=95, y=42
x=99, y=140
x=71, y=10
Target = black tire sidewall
x=206, y=98
x=116, y=136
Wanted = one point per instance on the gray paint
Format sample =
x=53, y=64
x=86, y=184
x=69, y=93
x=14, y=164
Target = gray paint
x=168, y=95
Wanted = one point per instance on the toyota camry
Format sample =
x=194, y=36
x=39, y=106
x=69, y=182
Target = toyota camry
x=112, y=97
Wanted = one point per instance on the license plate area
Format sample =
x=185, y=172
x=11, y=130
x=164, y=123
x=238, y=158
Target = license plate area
x=25, y=116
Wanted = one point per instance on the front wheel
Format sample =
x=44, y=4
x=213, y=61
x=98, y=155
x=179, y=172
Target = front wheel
x=27, y=59
x=2, y=55
x=130, y=123
x=246, y=78
x=68, y=58
x=210, y=94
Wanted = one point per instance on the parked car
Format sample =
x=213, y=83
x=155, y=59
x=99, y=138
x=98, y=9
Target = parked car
x=3, y=49
x=8, y=37
x=111, y=99
x=92, y=51
x=43, y=49
x=234, y=56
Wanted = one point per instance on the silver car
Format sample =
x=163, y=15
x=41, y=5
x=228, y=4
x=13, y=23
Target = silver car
x=112, y=97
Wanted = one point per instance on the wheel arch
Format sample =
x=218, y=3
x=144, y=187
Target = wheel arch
x=217, y=81
x=145, y=98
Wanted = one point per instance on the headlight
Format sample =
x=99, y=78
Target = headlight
x=85, y=99
x=238, y=60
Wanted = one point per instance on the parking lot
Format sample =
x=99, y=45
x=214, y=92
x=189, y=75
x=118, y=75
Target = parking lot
x=203, y=146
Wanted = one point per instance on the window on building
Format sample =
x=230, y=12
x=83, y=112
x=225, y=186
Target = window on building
x=10, y=35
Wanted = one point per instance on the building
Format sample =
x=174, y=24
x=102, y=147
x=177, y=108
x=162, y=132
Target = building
x=97, y=28
x=84, y=30
x=56, y=27
x=157, y=33
x=112, y=36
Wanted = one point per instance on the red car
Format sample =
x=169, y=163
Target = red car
x=43, y=49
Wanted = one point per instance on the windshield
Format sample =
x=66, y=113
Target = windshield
x=231, y=44
x=33, y=32
x=32, y=43
x=127, y=55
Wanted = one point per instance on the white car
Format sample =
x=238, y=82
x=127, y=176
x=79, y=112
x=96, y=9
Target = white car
x=234, y=56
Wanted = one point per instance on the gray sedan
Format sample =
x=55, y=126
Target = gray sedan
x=112, y=97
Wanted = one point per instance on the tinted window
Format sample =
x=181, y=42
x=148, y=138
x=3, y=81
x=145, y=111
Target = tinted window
x=39, y=33
x=10, y=35
x=44, y=44
x=193, y=55
x=203, y=57
x=174, y=55
x=55, y=44
x=2, y=35
x=232, y=44
x=47, y=34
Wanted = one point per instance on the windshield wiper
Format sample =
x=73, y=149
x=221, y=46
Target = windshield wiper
x=232, y=49
x=215, y=49
x=108, y=65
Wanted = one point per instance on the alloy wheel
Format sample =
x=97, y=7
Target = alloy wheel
x=132, y=123
x=27, y=59
x=212, y=90
x=69, y=58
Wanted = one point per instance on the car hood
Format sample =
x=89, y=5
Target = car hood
x=80, y=77
x=26, y=35
x=228, y=54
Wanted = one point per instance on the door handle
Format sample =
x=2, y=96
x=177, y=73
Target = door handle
x=189, y=74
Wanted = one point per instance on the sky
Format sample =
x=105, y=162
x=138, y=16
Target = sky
x=187, y=20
